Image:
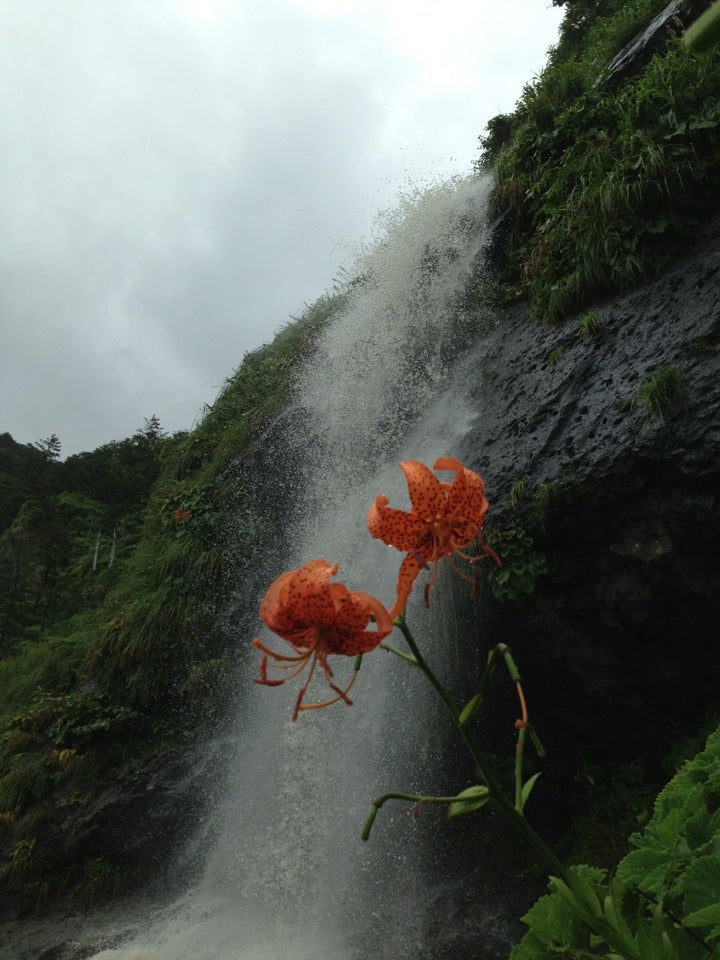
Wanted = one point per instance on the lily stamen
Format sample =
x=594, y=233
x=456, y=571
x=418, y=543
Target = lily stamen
x=318, y=619
x=341, y=695
x=444, y=518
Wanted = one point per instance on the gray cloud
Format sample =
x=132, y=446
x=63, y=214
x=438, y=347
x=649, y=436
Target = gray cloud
x=180, y=177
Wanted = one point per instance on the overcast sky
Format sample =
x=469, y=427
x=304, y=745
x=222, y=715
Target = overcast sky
x=179, y=177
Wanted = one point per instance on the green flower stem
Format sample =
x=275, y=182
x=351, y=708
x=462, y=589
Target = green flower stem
x=410, y=797
x=508, y=807
x=422, y=663
x=398, y=653
x=576, y=885
x=472, y=707
x=478, y=756
x=489, y=668
x=503, y=650
x=519, y=749
x=484, y=770
x=586, y=901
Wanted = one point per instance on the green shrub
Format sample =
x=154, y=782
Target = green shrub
x=590, y=324
x=26, y=777
x=664, y=900
x=677, y=856
x=597, y=187
x=522, y=564
x=661, y=392
x=21, y=864
x=519, y=490
x=99, y=880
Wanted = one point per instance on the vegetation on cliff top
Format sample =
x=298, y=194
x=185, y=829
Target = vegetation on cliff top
x=600, y=179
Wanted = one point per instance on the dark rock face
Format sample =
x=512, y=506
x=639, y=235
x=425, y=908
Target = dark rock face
x=147, y=814
x=151, y=821
x=618, y=646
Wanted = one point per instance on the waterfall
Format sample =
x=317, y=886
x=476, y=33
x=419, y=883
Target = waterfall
x=288, y=875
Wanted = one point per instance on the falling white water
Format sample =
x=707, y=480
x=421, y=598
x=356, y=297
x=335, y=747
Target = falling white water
x=288, y=875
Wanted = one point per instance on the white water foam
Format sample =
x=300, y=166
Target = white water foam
x=288, y=876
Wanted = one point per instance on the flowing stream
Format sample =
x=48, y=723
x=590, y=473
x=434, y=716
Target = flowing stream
x=288, y=875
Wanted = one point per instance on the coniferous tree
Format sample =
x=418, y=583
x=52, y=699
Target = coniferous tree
x=50, y=447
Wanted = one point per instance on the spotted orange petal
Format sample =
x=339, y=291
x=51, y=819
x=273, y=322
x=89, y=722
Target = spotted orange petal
x=407, y=574
x=308, y=596
x=273, y=611
x=298, y=602
x=355, y=614
x=395, y=527
x=426, y=494
x=467, y=491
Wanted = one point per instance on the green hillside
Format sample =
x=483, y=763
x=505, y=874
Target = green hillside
x=113, y=567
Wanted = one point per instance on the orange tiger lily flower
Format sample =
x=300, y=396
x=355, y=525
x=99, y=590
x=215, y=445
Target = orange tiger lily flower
x=318, y=618
x=444, y=519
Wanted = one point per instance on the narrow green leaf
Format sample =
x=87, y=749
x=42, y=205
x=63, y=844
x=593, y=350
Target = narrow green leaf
x=468, y=800
x=657, y=934
x=527, y=789
x=615, y=918
x=537, y=743
x=469, y=709
x=581, y=899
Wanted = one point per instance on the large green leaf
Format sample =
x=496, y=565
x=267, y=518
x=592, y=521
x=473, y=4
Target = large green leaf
x=670, y=830
x=646, y=869
x=552, y=924
x=704, y=917
x=700, y=884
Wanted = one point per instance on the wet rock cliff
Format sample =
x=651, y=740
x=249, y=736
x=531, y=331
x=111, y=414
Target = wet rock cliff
x=599, y=440
x=605, y=432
